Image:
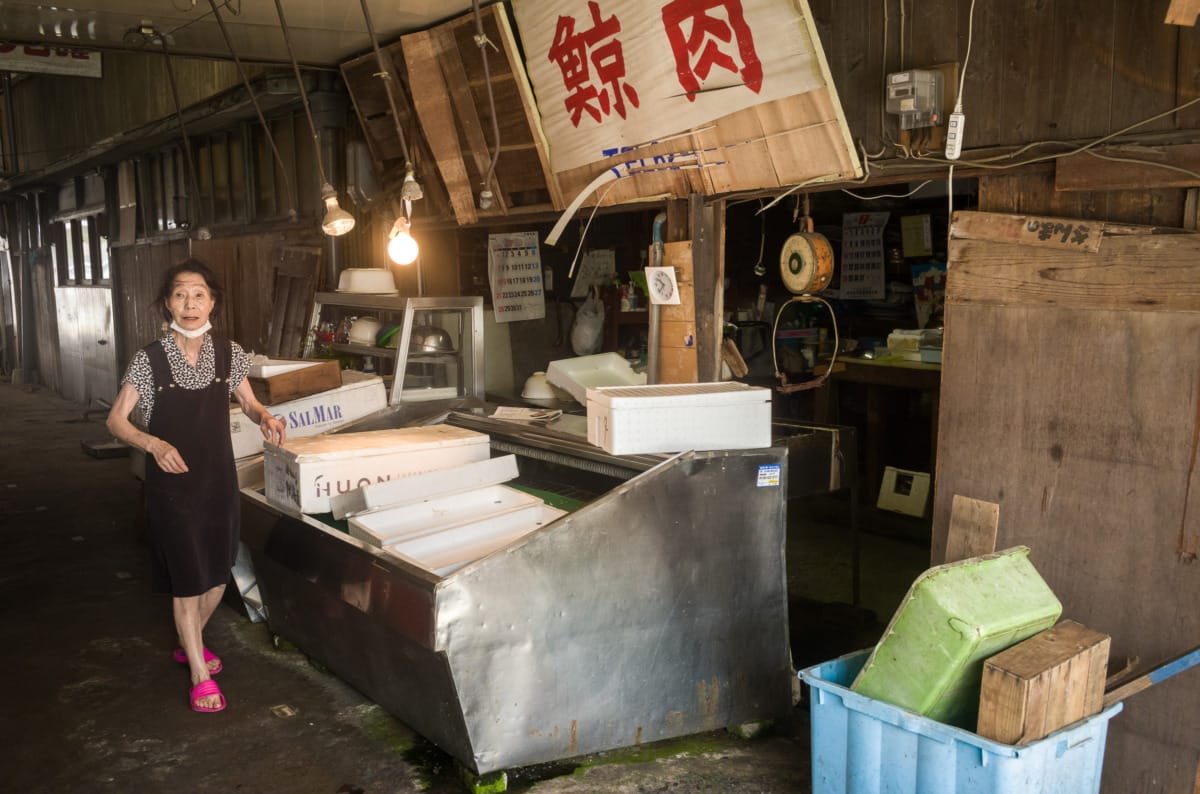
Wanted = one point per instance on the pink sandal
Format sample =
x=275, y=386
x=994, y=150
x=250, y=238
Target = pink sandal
x=180, y=655
x=203, y=690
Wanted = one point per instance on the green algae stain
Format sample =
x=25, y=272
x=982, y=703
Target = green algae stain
x=659, y=751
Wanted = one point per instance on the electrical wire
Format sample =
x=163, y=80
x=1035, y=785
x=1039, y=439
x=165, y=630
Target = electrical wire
x=1166, y=166
x=482, y=41
x=583, y=232
x=962, y=77
x=283, y=171
x=887, y=195
x=762, y=241
x=385, y=75
x=287, y=39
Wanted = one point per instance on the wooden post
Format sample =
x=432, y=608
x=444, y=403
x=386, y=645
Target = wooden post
x=708, y=256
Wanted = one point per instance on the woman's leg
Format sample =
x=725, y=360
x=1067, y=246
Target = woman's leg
x=188, y=624
x=207, y=604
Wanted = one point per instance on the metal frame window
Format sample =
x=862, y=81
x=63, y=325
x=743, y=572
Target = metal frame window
x=238, y=180
x=82, y=255
x=81, y=250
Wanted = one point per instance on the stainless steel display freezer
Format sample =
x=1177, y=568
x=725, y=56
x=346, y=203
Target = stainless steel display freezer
x=655, y=608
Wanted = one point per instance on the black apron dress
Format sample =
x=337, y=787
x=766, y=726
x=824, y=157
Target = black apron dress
x=193, y=519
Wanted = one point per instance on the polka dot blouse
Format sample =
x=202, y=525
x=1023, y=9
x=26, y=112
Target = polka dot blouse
x=141, y=376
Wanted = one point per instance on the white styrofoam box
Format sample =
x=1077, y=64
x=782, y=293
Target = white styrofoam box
x=305, y=472
x=360, y=394
x=577, y=375
x=394, y=524
x=446, y=551
x=419, y=487
x=673, y=417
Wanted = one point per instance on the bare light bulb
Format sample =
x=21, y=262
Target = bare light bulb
x=402, y=248
x=336, y=221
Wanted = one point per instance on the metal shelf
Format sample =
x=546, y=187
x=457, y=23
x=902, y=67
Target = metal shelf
x=464, y=365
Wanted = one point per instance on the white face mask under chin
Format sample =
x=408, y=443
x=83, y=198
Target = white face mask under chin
x=201, y=331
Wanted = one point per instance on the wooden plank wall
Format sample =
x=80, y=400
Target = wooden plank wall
x=42, y=279
x=1039, y=69
x=57, y=116
x=136, y=271
x=1020, y=192
x=1071, y=397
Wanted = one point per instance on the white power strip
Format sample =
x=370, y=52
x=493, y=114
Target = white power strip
x=954, y=134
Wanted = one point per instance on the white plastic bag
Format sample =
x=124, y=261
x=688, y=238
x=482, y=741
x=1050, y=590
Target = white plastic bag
x=587, y=333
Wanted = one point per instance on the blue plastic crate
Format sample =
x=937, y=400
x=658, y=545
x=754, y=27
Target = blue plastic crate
x=865, y=746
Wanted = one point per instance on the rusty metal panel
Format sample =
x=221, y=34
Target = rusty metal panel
x=87, y=355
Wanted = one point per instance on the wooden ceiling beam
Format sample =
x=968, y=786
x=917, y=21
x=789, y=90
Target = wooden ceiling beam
x=1183, y=12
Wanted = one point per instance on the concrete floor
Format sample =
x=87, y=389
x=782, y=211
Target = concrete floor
x=93, y=701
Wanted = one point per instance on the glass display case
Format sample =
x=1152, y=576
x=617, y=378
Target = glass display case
x=428, y=348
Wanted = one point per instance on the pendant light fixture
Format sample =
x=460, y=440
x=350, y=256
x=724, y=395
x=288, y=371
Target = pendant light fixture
x=482, y=42
x=336, y=221
x=402, y=247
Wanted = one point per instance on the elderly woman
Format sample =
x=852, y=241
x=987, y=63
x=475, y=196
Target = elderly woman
x=182, y=384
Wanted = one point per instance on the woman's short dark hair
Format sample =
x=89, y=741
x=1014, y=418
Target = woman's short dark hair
x=190, y=265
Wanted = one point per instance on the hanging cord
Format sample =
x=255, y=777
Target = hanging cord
x=385, y=75
x=287, y=39
x=287, y=183
x=187, y=143
x=482, y=41
x=760, y=269
x=837, y=342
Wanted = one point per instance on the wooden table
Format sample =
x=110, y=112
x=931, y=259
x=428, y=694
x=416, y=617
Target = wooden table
x=879, y=375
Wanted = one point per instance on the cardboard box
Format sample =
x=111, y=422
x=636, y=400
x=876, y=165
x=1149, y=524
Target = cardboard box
x=1047, y=682
x=280, y=381
x=359, y=395
x=628, y=420
x=305, y=473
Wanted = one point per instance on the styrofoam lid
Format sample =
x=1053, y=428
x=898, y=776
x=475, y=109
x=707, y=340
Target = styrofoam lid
x=425, y=486
x=577, y=375
x=376, y=442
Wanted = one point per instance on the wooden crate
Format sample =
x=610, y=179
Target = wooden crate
x=293, y=384
x=1047, y=682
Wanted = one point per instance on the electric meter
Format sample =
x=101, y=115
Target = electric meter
x=916, y=96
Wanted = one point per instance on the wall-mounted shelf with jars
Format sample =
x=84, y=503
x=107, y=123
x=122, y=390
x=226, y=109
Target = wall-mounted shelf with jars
x=427, y=348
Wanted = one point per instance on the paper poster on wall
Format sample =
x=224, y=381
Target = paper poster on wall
x=863, y=276
x=596, y=268
x=615, y=74
x=515, y=275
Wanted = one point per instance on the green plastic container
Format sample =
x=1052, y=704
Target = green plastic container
x=930, y=660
